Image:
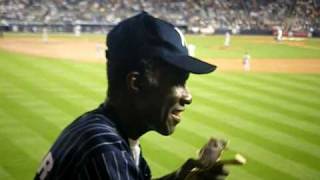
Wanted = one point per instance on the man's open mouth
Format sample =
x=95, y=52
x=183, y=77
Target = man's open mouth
x=176, y=114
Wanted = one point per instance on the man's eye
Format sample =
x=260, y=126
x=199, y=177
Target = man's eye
x=179, y=82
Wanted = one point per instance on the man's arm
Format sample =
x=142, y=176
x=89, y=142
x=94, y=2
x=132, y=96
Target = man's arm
x=194, y=170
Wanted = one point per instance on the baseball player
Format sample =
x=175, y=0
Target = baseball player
x=227, y=39
x=246, y=62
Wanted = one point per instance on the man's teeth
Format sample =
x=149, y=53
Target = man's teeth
x=177, y=113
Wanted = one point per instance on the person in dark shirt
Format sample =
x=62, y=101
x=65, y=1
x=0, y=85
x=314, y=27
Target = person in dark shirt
x=147, y=66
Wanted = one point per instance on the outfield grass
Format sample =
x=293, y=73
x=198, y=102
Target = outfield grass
x=211, y=47
x=272, y=119
x=259, y=47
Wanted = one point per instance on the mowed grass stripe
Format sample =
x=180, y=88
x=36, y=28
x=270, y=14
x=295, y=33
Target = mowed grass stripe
x=243, y=143
x=42, y=82
x=238, y=172
x=91, y=75
x=255, y=166
x=53, y=71
x=15, y=161
x=61, y=78
x=3, y=124
x=294, y=88
x=27, y=99
x=58, y=101
x=278, y=115
x=26, y=142
x=278, y=98
x=310, y=79
x=34, y=84
x=242, y=117
x=286, y=145
x=40, y=122
x=285, y=93
x=31, y=119
x=275, y=83
x=92, y=79
x=22, y=136
x=273, y=115
x=264, y=115
x=304, y=82
x=4, y=175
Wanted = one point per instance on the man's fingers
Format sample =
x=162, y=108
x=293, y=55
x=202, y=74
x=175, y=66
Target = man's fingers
x=216, y=173
x=221, y=178
x=225, y=171
x=217, y=169
x=210, y=177
x=187, y=167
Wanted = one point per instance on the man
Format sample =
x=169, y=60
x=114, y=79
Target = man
x=279, y=34
x=148, y=66
x=227, y=39
x=246, y=61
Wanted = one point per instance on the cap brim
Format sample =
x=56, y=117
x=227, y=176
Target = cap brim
x=190, y=64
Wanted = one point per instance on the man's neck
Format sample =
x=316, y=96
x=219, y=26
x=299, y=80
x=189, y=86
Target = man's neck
x=125, y=119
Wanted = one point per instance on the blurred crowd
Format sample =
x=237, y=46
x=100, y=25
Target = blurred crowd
x=196, y=14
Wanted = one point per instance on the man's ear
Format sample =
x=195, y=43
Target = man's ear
x=133, y=81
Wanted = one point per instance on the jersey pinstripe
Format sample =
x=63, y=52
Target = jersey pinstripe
x=92, y=147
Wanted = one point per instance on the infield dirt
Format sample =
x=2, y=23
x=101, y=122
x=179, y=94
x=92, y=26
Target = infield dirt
x=93, y=51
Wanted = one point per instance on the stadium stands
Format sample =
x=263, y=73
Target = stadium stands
x=210, y=15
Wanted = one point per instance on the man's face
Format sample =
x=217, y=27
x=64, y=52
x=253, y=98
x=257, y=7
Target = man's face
x=165, y=99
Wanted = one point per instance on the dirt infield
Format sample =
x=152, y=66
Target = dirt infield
x=94, y=52
x=60, y=49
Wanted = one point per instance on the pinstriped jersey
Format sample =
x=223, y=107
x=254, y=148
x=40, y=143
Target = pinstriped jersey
x=92, y=148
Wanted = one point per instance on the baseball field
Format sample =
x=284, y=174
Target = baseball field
x=270, y=114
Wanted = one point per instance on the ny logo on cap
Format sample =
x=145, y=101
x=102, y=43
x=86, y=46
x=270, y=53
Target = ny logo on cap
x=183, y=41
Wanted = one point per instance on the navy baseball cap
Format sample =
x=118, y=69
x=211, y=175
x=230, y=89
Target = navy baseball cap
x=143, y=36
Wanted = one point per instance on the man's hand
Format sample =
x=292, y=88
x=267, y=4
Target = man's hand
x=211, y=152
x=215, y=172
x=207, y=165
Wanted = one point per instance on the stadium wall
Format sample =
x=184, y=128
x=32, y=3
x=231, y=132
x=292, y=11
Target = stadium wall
x=104, y=28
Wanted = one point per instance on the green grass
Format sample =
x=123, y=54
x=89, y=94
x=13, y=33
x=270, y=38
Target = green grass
x=211, y=47
x=272, y=119
x=64, y=36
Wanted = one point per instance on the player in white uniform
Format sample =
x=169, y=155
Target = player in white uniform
x=246, y=62
x=227, y=39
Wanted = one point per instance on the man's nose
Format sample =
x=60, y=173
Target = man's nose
x=186, y=97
